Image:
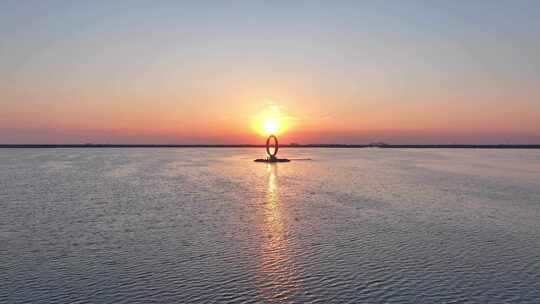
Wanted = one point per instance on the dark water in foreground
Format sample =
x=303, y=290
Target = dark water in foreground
x=211, y=226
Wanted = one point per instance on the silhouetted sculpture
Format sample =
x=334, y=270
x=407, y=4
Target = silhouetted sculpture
x=272, y=156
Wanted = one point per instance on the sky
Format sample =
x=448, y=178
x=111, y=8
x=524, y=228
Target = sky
x=194, y=72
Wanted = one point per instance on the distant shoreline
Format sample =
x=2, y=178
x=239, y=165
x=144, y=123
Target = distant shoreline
x=384, y=146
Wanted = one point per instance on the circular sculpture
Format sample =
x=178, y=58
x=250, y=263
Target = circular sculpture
x=272, y=156
x=276, y=146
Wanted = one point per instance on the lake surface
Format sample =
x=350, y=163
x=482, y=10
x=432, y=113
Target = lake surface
x=212, y=226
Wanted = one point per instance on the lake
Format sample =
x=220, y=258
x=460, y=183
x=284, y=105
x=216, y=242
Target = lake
x=141, y=225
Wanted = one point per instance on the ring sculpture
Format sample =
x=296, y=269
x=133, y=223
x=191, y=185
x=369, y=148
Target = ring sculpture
x=276, y=146
x=272, y=156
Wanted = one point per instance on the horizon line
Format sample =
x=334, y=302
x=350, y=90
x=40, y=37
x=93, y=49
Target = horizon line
x=290, y=145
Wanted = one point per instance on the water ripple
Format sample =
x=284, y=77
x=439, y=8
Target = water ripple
x=210, y=226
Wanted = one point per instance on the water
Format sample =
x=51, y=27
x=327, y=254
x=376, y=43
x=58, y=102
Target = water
x=211, y=226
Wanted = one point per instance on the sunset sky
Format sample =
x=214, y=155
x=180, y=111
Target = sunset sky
x=208, y=71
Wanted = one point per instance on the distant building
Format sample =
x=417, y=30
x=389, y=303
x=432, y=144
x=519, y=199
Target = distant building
x=378, y=144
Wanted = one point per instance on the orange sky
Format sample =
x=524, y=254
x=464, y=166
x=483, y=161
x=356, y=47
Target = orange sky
x=341, y=73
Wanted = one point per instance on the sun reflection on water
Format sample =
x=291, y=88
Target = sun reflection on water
x=279, y=277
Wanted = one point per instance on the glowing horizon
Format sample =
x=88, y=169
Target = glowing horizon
x=344, y=72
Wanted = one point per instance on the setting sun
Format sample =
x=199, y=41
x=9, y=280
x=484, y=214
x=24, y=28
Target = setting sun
x=270, y=121
x=271, y=126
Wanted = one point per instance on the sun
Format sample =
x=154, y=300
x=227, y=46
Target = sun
x=270, y=121
x=270, y=126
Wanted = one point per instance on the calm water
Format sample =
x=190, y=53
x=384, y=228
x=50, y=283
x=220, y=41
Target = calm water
x=211, y=226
